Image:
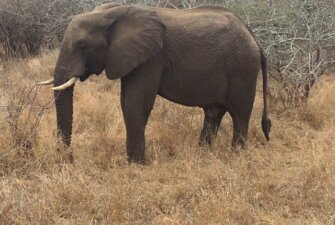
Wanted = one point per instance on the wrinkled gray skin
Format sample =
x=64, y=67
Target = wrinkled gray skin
x=205, y=57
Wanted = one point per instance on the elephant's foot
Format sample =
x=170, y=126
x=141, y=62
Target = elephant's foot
x=239, y=141
x=65, y=155
x=136, y=156
x=205, y=139
x=136, y=160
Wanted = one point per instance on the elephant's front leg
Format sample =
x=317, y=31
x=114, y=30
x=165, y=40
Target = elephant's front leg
x=135, y=126
x=138, y=93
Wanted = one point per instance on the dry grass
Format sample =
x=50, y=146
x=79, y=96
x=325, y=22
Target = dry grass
x=290, y=180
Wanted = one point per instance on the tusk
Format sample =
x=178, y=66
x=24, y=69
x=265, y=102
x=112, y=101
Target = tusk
x=66, y=85
x=47, y=82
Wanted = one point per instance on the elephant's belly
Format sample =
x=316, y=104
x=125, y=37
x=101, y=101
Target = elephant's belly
x=193, y=90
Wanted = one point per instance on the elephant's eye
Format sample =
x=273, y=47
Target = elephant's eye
x=82, y=47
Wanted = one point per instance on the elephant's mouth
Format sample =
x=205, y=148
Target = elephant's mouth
x=84, y=77
x=99, y=72
x=88, y=72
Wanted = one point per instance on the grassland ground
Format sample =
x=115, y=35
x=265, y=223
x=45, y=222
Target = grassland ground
x=289, y=180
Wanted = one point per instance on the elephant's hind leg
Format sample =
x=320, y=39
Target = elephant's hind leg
x=240, y=127
x=240, y=115
x=212, y=120
x=240, y=102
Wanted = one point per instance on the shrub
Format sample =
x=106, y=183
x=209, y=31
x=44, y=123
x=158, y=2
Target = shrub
x=299, y=40
x=27, y=26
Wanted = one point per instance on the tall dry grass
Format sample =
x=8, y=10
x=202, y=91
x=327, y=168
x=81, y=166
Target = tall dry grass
x=290, y=180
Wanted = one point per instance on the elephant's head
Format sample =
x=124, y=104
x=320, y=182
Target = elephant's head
x=113, y=38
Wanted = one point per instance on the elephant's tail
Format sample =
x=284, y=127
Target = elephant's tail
x=266, y=122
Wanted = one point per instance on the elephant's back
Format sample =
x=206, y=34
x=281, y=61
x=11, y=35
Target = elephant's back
x=196, y=17
x=207, y=33
x=207, y=23
x=204, y=8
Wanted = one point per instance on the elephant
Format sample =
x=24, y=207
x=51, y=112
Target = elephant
x=203, y=57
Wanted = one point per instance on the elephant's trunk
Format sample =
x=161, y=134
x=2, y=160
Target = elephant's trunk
x=64, y=110
x=63, y=100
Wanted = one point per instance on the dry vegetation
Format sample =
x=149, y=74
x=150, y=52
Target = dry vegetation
x=289, y=180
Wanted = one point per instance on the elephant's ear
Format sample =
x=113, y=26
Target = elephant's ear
x=136, y=35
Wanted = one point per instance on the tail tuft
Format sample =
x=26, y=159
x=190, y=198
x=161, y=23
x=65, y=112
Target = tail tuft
x=266, y=127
